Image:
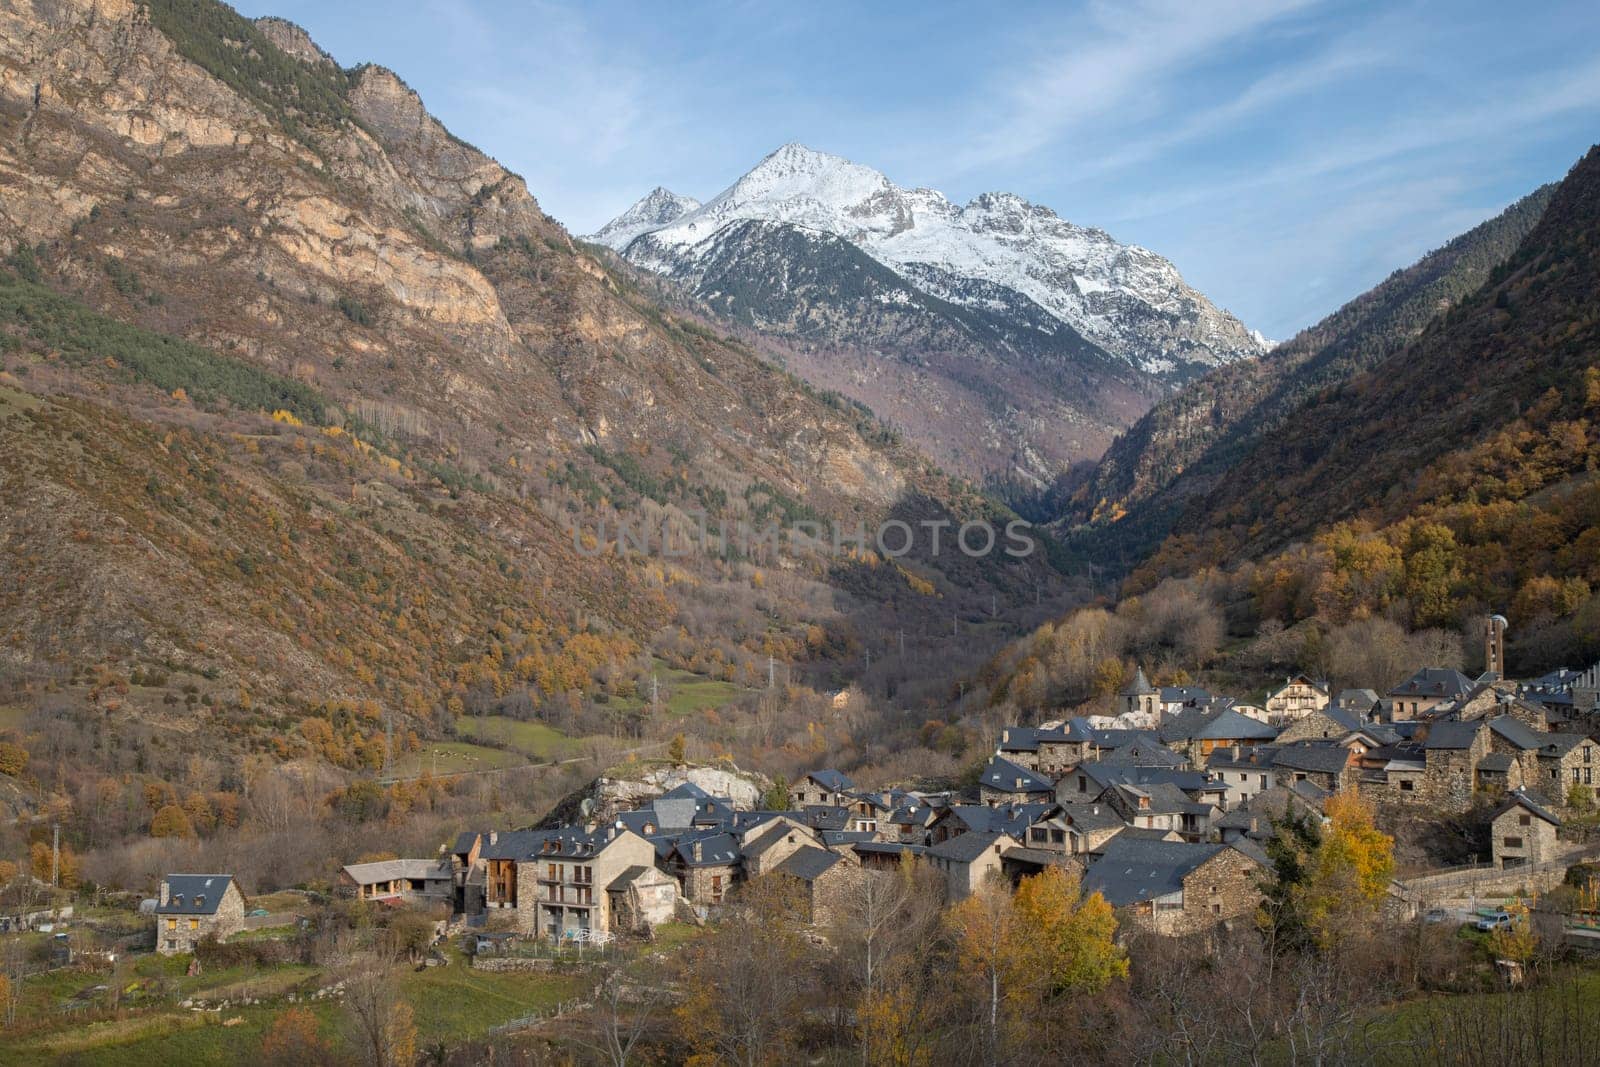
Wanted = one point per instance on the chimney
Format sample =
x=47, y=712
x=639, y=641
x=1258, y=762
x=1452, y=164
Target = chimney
x=166, y=891
x=494, y=835
x=698, y=849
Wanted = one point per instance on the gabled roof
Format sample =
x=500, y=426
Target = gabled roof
x=808, y=863
x=686, y=791
x=1184, y=694
x=1441, y=682
x=1312, y=757
x=1019, y=739
x=1008, y=777
x=1010, y=819
x=1131, y=869
x=1359, y=699
x=1517, y=733
x=712, y=849
x=512, y=844
x=390, y=870
x=825, y=816
x=1223, y=725
x=1561, y=744
x=194, y=894
x=1497, y=762
x=845, y=837
x=1451, y=735
x=1090, y=817
x=831, y=780
x=1518, y=799
x=891, y=848
x=964, y=848
x=464, y=842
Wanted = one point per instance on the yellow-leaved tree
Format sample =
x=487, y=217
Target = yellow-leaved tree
x=1348, y=873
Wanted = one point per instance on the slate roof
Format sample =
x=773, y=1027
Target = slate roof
x=715, y=850
x=1561, y=744
x=1139, y=686
x=1434, y=682
x=1007, y=777
x=825, y=817
x=1518, y=733
x=1131, y=869
x=194, y=894
x=687, y=790
x=1089, y=817
x=627, y=877
x=1451, y=735
x=1019, y=739
x=1010, y=819
x=1359, y=699
x=964, y=848
x=464, y=842
x=1224, y=725
x=845, y=837
x=1496, y=762
x=887, y=848
x=831, y=780
x=1317, y=759
x=1143, y=751
x=1184, y=694
x=1041, y=857
x=808, y=863
x=1518, y=799
x=513, y=844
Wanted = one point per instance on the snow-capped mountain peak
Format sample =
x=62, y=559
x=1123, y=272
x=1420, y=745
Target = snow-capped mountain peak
x=658, y=207
x=1128, y=300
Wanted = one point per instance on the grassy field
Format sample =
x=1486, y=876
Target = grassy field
x=453, y=757
x=686, y=692
x=457, y=1002
x=533, y=738
x=196, y=1039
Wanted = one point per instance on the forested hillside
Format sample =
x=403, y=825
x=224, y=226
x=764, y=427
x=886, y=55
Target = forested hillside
x=1180, y=450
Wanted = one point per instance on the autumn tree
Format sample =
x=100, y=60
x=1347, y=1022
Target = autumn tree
x=749, y=981
x=293, y=1039
x=383, y=1030
x=13, y=759
x=1348, y=875
x=171, y=821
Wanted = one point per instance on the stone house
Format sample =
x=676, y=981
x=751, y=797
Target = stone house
x=706, y=865
x=1566, y=762
x=769, y=844
x=825, y=878
x=1074, y=829
x=562, y=884
x=1523, y=832
x=193, y=907
x=500, y=853
x=968, y=861
x=1451, y=752
x=1244, y=773
x=1327, y=723
x=1326, y=765
x=1296, y=698
x=1162, y=806
x=1177, y=888
x=641, y=897
x=1425, y=690
x=1004, y=782
x=828, y=788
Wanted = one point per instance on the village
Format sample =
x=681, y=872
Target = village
x=1163, y=809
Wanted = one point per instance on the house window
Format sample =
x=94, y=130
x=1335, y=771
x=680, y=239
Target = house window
x=1513, y=842
x=553, y=872
x=1574, y=775
x=194, y=924
x=1524, y=820
x=1407, y=785
x=1588, y=778
x=1263, y=781
x=172, y=924
x=1216, y=909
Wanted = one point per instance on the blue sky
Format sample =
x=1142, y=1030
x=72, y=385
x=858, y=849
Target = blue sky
x=1285, y=155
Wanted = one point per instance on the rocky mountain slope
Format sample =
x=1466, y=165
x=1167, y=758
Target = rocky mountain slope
x=1179, y=451
x=309, y=408
x=1004, y=309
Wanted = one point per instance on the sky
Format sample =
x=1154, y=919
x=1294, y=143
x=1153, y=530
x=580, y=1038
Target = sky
x=1285, y=154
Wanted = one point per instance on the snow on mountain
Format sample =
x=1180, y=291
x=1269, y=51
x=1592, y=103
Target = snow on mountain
x=658, y=208
x=1126, y=299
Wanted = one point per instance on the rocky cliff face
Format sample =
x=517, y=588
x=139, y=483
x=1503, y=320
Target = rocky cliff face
x=283, y=233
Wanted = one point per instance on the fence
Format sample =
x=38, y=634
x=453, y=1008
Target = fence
x=1482, y=878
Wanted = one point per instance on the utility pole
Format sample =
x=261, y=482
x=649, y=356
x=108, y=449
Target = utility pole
x=902, y=642
x=772, y=675
x=955, y=625
x=55, y=855
x=655, y=691
x=869, y=659
x=994, y=605
x=388, y=741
